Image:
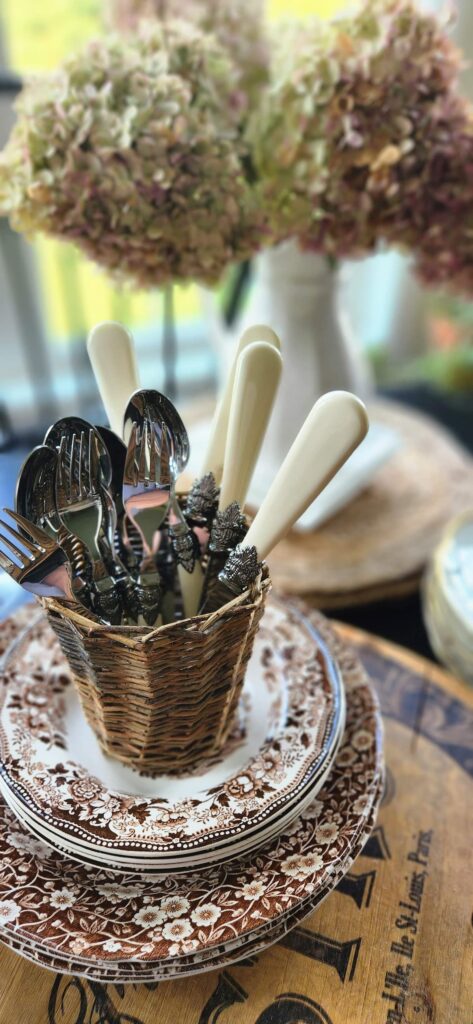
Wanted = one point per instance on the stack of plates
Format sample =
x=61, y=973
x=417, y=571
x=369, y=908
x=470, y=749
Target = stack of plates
x=448, y=598
x=118, y=876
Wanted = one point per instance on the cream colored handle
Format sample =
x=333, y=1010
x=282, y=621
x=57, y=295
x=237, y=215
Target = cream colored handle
x=336, y=425
x=191, y=584
x=112, y=354
x=214, y=459
x=256, y=383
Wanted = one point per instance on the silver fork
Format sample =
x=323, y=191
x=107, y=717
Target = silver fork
x=82, y=506
x=147, y=482
x=36, y=500
x=33, y=559
x=146, y=493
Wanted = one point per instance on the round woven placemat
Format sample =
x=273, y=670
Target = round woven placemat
x=377, y=547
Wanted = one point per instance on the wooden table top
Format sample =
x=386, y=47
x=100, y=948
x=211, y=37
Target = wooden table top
x=392, y=945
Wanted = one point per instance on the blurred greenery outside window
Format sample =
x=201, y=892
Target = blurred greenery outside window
x=73, y=293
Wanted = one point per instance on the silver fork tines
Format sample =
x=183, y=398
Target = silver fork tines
x=83, y=507
x=41, y=566
x=153, y=452
x=78, y=472
x=73, y=490
x=146, y=464
x=131, y=470
x=145, y=457
x=78, y=488
x=32, y=548
x=146, y=494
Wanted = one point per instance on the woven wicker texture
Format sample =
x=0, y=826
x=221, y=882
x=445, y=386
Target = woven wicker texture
x=162, y=700
x=377, y=547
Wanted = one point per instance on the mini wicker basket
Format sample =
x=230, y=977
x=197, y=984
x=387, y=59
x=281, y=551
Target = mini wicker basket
x=162, y=700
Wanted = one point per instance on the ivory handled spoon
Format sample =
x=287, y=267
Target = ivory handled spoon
x=215, y=455
x=336, y=425
x=256, y=382
x=112, y=355
x=257, y=376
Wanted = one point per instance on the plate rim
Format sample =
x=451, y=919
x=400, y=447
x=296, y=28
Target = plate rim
x=213, y=841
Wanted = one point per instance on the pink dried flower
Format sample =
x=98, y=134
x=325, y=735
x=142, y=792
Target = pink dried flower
x=348, y=133
x=443, y=217
x=139, y=151
x=132, y=151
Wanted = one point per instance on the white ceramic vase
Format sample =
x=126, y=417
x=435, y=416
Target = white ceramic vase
x=300, y=296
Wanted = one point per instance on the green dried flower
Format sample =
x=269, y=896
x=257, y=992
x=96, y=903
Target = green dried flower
x=132, y=151
x=238, y=25
x=139, y=148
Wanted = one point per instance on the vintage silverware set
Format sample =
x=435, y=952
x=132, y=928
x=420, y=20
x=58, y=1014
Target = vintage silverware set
x=146, y=875
x=99, y=521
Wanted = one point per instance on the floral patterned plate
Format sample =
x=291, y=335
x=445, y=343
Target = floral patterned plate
x=236, y=949
x=142, y=971
x=149, y=868
x=207, y=955
x=291, y=721
x=72, y=911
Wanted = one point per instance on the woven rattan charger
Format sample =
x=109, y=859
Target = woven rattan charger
x=377, y=547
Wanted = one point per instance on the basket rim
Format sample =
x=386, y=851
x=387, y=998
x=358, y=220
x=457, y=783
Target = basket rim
x=141, y=635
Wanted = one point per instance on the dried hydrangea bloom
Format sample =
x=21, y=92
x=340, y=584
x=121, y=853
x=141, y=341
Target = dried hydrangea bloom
x=444, y=216
x=344, y=134
x=238, y=25
x=131, y=151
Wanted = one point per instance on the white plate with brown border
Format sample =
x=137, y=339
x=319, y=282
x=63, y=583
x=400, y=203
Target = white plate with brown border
x=290, y=723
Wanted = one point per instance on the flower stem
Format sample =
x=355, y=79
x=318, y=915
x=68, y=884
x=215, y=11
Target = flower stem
x=169, y=343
